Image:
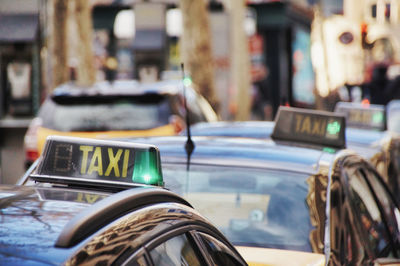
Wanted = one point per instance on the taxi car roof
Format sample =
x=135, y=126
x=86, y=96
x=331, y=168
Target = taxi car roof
x=118, y=87
x=263, y=130
x=30, y=227
x=363, y=136
x=41, y=229
x=246, y=152
x=254, y=129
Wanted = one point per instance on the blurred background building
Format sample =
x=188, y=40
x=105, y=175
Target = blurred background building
x=20, y=44
x=130, y=35
x=300, y=53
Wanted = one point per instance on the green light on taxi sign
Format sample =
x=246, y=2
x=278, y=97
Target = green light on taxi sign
x=147, y=170
x=378, y=118
x=333, y=128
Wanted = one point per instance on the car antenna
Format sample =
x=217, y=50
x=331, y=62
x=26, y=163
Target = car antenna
x=189, y=145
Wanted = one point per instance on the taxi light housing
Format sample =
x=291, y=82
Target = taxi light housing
x=303, y=126
x=364, y=116
x=102, y=163
x=147, y=169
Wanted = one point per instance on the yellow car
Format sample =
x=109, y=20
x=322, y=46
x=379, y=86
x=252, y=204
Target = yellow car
x=118, y=109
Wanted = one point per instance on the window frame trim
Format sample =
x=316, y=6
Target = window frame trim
x=188, y=229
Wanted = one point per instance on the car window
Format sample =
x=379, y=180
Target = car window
x=105, y=114
x=175, y=251
x=367, y=212
x=250, y=206
x=219, y=252
x=394, y=169
x=386, y=201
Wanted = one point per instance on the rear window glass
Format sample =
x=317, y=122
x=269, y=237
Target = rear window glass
x=252, y=207
x=105, y=113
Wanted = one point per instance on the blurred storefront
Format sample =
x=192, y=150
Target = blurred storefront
x=20, y=45
x=279, y=47
x=20, y=80
x=113, y=56
x=284, y=28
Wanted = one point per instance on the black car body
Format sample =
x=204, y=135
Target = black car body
x=288, y=194
x=371, y=140
x=370, y=133
x=94, y=203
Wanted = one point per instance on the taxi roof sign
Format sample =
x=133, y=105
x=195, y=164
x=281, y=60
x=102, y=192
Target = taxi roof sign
x=393, y=116
x=362, y=116
x=70, y=160
x=310, y=126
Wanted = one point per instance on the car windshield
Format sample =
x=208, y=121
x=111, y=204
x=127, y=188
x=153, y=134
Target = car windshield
x=104, y=114
x=252, y=207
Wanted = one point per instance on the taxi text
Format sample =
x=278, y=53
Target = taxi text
x=310, y=125
x=92, y=161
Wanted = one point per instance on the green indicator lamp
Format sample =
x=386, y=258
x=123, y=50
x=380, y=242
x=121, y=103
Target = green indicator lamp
x=187, y=81
x=329, y=150
x=377, y=118
x=147, y=168
x=333, y=128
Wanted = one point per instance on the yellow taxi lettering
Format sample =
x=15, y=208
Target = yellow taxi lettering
x=309, y=125
x=84, y=197
x=79, y=197
x=306, y=125
x=91, y=198
x=85, y=150
x=113, y=162
x=96, y=164
x=316, y=129
x=360, y=117
x=366, y=117
x=323, y=127
x=353, y=116
x=299, y=118
x=125, y=164
x=319, y=127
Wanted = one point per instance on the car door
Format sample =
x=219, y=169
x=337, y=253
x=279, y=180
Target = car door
x=369, y=214
x=184, y=247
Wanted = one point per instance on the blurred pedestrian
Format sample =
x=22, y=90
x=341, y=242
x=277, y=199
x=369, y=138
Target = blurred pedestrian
x=393, y=87
x=376, y=88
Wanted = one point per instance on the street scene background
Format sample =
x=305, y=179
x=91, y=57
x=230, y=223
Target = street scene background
x=246, y=57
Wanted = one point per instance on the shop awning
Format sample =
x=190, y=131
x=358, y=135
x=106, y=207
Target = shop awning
x=18, y=27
